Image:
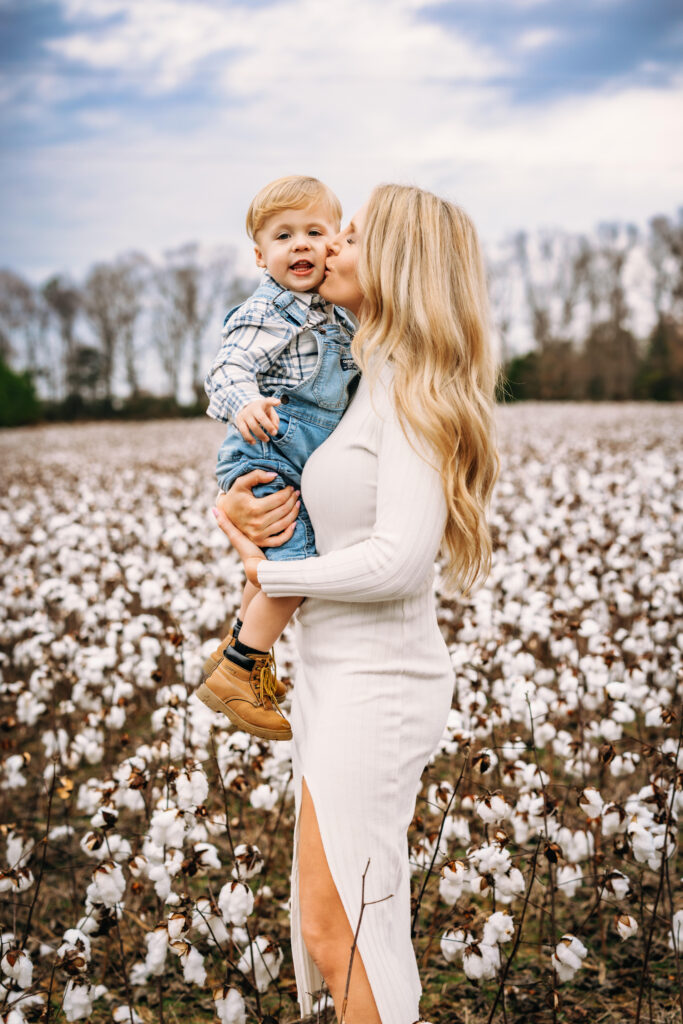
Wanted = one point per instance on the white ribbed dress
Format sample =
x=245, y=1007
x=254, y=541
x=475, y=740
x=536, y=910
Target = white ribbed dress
x=374, y=687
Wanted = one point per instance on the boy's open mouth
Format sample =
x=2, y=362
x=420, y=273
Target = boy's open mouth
x=301, y=267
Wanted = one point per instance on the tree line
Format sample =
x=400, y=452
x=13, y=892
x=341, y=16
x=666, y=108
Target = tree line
x=135, y=336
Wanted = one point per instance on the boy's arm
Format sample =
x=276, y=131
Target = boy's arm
x=247, y=350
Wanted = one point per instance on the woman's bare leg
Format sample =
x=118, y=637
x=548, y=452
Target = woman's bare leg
x=325, y=927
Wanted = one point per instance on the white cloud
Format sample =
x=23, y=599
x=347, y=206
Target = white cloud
x=342, y=91
x=537, y=38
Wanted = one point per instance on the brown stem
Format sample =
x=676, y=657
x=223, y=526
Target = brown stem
x=354, y=944
x=428, y=873
x=518, y=936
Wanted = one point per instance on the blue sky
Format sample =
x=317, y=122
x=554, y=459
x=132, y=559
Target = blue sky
x=147, y=123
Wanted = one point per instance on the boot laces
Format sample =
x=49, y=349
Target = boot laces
x=265, y=670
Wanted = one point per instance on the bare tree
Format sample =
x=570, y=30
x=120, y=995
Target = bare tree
x=188, y=293
x=23, y=322
x=665, y=251
x=64, y=302
x=112, y=300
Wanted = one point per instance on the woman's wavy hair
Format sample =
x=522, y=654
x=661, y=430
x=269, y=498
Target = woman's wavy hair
x=426, y=309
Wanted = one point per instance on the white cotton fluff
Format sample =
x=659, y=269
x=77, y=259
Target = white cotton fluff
x=17, y=965
x=568, y=956
x=493, y=809
x=263, y=797
x=481, y=961
x=267, y=960
x=453, y=944
x=626, y=925
x=157, y=948
x=236, y=902
x=248, y=862
x=126, y=1015
x=193, y=966
x=108, y=884
x=453, y=879
x=498, y=928
x=591, y=803
x=569, y=878
x=77, y=1002
x=642, y=841
x=617, y=884
x=192, y=787
x=230, y=1006
x=676, y=932
x=167, y=828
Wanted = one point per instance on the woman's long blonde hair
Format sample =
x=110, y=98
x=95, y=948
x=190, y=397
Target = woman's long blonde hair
x=425, y=309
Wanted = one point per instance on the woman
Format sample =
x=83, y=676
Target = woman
x=409, y=470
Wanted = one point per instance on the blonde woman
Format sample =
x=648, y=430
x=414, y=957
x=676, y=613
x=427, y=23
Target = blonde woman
x=408, y=472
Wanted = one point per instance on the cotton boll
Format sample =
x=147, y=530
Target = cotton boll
x=126, y=1015
x=167, y=828
x=510, y=886
x=626, y=926
x=230, y=1006
x=481, y=961
x=569, y=877
x=236, y=902
x=567, y=958
x=248, y=861
x=676, y=932
x=453, y=879
x=591, y=803
x=453, y=944
x=192, y=787
x=157, y=948
x=77, y=1001
x=493, y=809
x=108, y=884
x=193, y=966
x=263, y=798
x=17, y=965
x=499, y=928
x=456, y=829
x=642, y=841
x=617, y=884
x=266, y=963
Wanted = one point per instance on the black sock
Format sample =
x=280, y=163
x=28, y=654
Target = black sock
x=237, y=627
x=245, y=650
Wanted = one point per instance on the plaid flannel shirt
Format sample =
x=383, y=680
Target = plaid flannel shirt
x=262, y=351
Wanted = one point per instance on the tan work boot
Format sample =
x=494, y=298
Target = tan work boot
x=216, y=657
x=247, y=697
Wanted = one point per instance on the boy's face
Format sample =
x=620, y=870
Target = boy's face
x=292, y=246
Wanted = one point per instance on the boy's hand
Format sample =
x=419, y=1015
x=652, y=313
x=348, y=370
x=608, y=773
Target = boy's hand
x=257, y=417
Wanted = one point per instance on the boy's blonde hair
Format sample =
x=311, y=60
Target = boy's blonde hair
x=293, y=192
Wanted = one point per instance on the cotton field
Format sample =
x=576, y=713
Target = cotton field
x=145, y=846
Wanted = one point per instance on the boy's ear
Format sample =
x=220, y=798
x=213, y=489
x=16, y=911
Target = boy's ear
x=260, y=261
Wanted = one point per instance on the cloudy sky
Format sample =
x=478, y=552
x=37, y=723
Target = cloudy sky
x=149, y=123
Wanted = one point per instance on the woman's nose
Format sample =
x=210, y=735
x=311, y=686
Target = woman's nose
x=334, y=246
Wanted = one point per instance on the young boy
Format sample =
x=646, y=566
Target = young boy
x=283, y=347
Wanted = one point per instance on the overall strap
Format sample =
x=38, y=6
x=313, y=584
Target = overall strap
x=345, y=319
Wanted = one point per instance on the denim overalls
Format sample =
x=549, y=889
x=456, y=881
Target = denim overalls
x=308, y=414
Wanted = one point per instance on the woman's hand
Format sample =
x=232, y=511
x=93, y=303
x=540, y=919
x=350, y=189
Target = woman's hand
x=249, y=552
x=268, y=521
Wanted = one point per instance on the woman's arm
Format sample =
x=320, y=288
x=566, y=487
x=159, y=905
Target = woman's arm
x=267, y=521
x=398, y=556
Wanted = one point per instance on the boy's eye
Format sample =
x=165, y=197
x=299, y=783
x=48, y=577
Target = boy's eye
x=315, y=231
x=283, y=234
